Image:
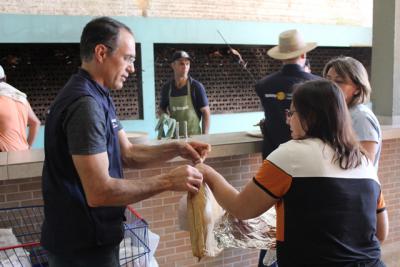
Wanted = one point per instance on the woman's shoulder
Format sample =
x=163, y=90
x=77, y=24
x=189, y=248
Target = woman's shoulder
x=302, y=157
x=364, y=119
x=297, y=152
x=302, y=145
x=362, y=111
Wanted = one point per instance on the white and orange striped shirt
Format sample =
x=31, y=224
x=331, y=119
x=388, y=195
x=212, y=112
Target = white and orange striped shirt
x=325, y=215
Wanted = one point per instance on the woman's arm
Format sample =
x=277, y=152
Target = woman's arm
x=34, y=125
x=142, y=156
x=251, y=202
x=382, y=225
x=370, y=147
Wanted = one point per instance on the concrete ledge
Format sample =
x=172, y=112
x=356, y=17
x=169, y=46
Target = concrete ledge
x=24, y=164
x=390, y=132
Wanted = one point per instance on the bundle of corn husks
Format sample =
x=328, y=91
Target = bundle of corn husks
x=203, y=212
x=212, y=229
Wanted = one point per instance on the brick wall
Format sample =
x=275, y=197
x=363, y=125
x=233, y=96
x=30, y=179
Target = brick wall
x=22, y=192
x=161, y=211
x=229, y=87
x=389, y=174
x=347, y=12
x=41, y=70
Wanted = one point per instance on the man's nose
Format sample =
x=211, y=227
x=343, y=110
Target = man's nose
x=131, y=68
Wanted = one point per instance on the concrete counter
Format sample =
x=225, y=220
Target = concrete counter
x=24, y=164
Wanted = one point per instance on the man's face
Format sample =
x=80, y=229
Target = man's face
x=119, y=64
x=181, y=67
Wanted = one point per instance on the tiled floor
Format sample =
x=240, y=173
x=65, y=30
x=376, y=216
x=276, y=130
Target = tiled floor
x=391, y=254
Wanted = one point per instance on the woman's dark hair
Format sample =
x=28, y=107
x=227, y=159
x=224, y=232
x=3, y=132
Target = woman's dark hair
x=103, y=30
x=323, y=113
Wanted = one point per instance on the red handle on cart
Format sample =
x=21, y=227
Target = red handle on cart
x=21, y=246
x=132, y=210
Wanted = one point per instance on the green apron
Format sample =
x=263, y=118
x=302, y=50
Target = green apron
x=182, y=109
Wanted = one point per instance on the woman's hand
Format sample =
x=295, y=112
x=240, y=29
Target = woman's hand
x=194, y=151
x=207, y=172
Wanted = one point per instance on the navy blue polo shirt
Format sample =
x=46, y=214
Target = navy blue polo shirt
x=70, y=225
x=275, y=92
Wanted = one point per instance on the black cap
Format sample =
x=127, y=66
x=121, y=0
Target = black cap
x=179, y=55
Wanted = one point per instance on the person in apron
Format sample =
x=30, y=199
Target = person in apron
x=185, y=99
x=182, y=109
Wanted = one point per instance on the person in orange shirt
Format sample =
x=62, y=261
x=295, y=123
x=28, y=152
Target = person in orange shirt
x=15, y=115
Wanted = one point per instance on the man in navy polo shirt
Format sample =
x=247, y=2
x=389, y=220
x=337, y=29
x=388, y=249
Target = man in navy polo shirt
x=275, y=91
x=85, y=149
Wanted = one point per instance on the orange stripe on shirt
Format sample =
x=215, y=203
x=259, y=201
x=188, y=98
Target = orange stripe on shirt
x=273, y=179
x=277, y=182
x=381, y=203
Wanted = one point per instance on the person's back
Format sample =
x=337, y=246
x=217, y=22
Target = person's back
x=13, y=121
x=275, y=90
x=15, y=115
x=330, y=212
x=329, y=203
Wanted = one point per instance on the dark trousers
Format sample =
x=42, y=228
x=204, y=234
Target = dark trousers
x=369, y=263
x=373, y=263
x=102, y=257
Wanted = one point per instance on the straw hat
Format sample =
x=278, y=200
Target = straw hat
x=291, y=45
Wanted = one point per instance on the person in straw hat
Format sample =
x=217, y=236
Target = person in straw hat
x=275, y=91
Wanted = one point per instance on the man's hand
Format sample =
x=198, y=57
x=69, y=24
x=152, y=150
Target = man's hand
x=185, y=178
x=194, y=151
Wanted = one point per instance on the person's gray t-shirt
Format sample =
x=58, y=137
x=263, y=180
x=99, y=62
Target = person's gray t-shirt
x=367, y=127
x=85, y=127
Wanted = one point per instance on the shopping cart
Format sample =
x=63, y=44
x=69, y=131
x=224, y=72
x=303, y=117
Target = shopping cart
x=20, y=229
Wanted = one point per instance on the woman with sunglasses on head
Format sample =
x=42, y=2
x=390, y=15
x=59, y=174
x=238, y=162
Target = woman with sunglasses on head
x=351, y=76
x=330, y=208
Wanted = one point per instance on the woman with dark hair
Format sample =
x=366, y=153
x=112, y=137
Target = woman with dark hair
x=351, y=76
x=330, y=208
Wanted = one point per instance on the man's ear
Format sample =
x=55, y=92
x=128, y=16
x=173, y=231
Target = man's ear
x=100, y=52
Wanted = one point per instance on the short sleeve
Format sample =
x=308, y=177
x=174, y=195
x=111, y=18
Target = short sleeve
x=85, y=128
x=365, y=126
x=201, y=95
x=273, y=180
